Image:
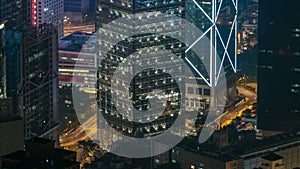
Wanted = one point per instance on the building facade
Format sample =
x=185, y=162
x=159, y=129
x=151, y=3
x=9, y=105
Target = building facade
x=31, y=67
x=13, y=11
x=278, y=66
x=76, y=11
x=47, y=11
x=75, y=52
x=139, y=48
x=217, y=19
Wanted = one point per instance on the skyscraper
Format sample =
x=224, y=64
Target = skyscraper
x=13, y=11
x=217, y=19
x=47, y=11
x=30, y=81
x=279, y=65
x=210, y=19
x=31, y=67
x=145, y=81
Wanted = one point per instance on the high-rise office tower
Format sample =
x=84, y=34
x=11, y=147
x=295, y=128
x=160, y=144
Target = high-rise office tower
x=217, y=19
x=279, y=65
x=13, y=11
x=47, y=11
x=223, y=34
x=144, y=81
x=29, y=58
x=31, y=67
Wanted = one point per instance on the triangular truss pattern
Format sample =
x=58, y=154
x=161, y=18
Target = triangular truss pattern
x=214, y=33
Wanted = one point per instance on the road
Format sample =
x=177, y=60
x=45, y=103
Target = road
x=237, y=111
x=88, y=128
x=69, y=29
x=246, y=92
x=84, y=132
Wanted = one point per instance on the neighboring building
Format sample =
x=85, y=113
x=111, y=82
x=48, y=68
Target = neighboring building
x=218, y=21
x=278, y=66
x=192, y=159
x=48, y=11
x=272, y=161
x=281, y=151
x=40, y=153
x=112, y=161
x=11, y=134
x=70, y=48
x=36, y=12
x=31, y=67
x=286, y=145
x=76, y=11
x=77, y=69
x=248, y=25
x=13, y=11
x=2, y=64
x=197, y=95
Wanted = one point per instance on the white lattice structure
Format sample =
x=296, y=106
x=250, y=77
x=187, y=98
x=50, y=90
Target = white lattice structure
x=214, y=19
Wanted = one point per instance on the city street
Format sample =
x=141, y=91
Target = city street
x=69, y=29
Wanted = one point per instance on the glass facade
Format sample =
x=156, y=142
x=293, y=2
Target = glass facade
x=107, y=11
x=222, y=41
x=143, y=48
x=278, y=66
x=32, y=77
x=76, y=6
x=217, y=20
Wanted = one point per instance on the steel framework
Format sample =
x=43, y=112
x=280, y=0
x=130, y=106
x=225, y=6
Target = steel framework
x=215, y=35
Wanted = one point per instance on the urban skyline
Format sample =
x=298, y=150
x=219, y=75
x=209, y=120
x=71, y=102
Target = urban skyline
x=71, y=69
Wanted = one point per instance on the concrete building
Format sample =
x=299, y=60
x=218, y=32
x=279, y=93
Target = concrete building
x=70, y=48
x=281, y=151
x=197, y=95
x=192, y=160
x=272, y=161
x=48, y=11
x=11, y=134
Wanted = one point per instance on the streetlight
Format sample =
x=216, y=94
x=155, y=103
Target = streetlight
x=85, y=16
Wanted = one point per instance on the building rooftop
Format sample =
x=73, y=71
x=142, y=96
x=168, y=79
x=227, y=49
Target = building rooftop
x=9, y=118
x=21, y=158
x=244, y=149
x=272, y=157
x=26, y=160
x=267, y=144
x=40, y=140
x=75, y=41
